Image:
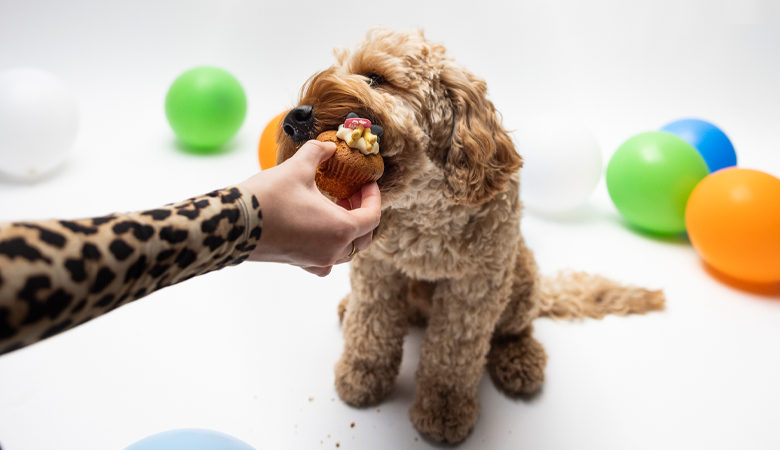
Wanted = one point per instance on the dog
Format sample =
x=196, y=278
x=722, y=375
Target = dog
x=448, y=251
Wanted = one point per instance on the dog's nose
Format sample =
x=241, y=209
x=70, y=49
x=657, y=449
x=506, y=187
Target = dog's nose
x=299, y=122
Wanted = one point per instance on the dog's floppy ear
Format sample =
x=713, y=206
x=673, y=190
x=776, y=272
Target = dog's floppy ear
x=481, y=157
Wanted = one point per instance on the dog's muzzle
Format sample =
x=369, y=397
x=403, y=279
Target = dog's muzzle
x=299, y=123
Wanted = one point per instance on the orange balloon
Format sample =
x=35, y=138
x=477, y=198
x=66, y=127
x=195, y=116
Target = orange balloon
x=266, y=150
x=733, y=221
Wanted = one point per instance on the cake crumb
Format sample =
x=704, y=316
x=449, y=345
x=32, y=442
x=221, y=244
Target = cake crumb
x=311, y=399
x=415, y=439
x=377, y=410
x=338, y=445
x=333, y=399
x=352, y=425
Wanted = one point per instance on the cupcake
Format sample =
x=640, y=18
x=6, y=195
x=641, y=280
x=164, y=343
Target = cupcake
x=357, y=160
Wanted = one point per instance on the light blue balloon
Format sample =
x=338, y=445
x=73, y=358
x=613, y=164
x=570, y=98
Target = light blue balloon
x=712, y=143
x=190, y=439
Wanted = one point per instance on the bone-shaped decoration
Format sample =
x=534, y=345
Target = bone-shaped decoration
x=356, y=134
x=369, y=138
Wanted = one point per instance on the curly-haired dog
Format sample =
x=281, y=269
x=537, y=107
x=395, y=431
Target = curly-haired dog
x=448, y=248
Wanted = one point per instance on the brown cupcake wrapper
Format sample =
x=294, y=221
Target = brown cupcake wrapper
x=339, y=171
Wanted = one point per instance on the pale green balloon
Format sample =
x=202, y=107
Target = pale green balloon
x=650, y=178
x=205, y=106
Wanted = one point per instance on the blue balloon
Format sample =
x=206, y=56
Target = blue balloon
x=190, y=439
x=712, y=143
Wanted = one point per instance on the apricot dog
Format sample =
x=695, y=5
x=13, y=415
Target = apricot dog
x=448, y=250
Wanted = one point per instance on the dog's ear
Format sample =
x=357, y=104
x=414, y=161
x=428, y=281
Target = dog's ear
x=481, y=157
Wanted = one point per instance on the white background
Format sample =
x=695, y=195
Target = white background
x=249, y=351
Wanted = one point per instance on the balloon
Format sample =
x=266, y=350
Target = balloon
x=712, y=143
x=562, y=164
x=733, y=219
x=650, y=177
x=205, y=107
x=190, y=439
x=266, y=150
x=38, y=122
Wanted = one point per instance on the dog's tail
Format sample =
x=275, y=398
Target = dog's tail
x=570, y=294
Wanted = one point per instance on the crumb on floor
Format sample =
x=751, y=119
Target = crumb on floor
x=352, y=425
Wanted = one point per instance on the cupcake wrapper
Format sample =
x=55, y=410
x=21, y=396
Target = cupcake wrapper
x=341, y=180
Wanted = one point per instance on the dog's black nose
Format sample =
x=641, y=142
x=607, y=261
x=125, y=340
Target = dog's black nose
x=299, y=122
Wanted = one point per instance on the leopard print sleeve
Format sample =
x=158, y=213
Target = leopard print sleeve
x=57, y=274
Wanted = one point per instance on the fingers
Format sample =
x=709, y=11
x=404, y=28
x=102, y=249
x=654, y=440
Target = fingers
x=319, y=271
x=353, y=202
x=348, y=253
x=361, y=243
x=314, y=152
x=356, y=200
x=367, y=215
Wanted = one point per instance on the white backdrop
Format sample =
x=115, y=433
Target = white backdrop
x=249, y=351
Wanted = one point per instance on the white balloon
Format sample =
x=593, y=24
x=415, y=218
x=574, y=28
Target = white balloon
x=38, y=122
x=562, y=164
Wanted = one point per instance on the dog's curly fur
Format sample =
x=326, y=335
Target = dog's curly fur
x=448, y=251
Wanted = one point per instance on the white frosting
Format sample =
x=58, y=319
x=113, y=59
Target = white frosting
x=345, y=134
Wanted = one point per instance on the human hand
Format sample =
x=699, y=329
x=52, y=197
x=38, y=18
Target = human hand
x=303, y=228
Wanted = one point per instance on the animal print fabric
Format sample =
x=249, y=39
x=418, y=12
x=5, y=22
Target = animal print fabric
x=57, y=274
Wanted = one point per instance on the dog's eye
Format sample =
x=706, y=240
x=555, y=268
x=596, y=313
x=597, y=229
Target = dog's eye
x=374, y=79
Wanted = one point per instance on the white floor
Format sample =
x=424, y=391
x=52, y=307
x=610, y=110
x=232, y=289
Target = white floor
x=249, y=351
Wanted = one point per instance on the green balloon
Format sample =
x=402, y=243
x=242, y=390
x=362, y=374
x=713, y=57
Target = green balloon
x=205, y=107
x=650, y=178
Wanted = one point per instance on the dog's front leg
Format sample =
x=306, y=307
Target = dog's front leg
x=453, y=353
x=374, y=327
x=516, y=361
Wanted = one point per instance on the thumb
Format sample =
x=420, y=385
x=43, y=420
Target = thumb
x=313, y=153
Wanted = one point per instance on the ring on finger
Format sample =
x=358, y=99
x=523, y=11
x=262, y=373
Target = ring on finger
x=354, y=250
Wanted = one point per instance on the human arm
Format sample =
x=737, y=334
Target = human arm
x=57, y=274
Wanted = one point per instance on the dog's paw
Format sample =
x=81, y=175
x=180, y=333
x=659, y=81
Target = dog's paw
x=443, y=414
x=360, y=384
x=516, y=363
